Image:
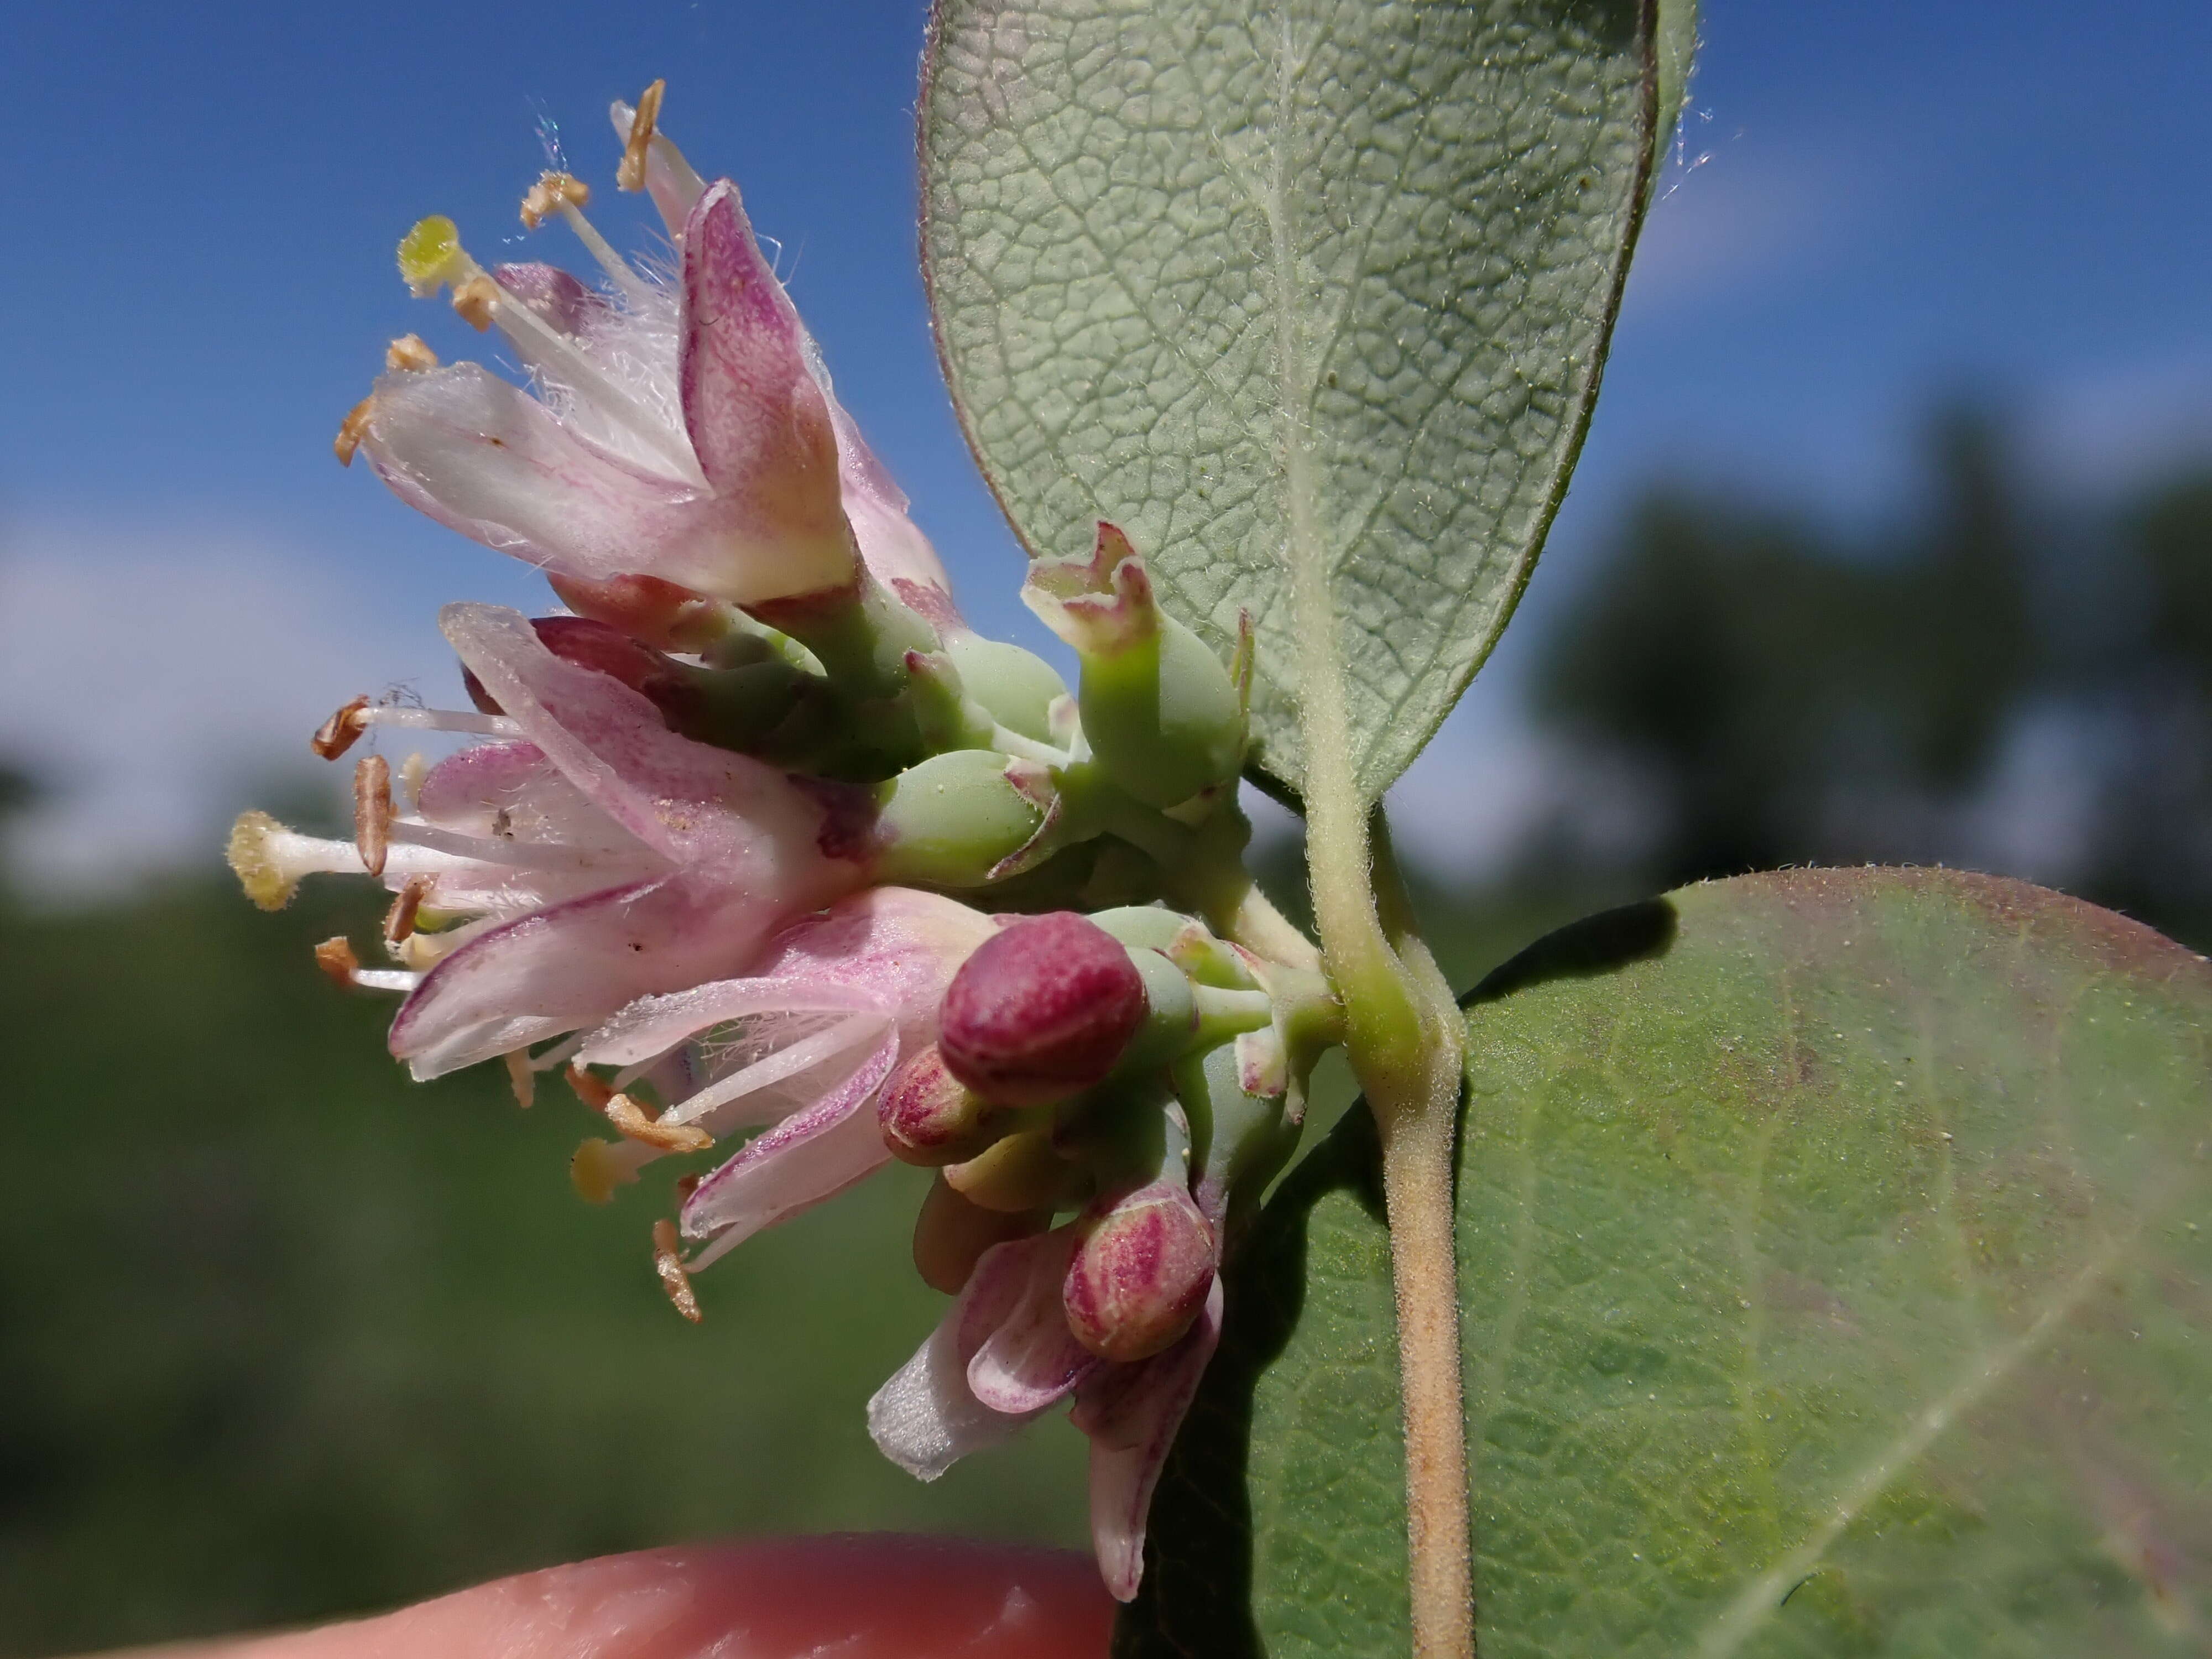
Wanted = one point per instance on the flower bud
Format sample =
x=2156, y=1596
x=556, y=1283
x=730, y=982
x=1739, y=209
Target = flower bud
x=953, y=820
x=1161, y=713
x=931, y=1118
x=1041, y=1011
x=1022, y=1172
x=1016, y=687
x=1141, y=1272
x=952, y=1232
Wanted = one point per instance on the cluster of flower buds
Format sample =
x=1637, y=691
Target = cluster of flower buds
x=779, y=861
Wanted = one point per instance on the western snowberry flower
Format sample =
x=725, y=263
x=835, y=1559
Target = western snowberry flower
x=705, y=854
x=594, y=858
x=683, y=425
x=803, y=1042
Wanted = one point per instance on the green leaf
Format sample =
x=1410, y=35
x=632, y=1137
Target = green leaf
x=1836, y=1253
x=1316, y=290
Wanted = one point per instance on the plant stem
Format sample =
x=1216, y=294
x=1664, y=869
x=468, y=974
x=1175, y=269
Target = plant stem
x=1418, y=1189
x=1417, y=1171
x=1403, y=1039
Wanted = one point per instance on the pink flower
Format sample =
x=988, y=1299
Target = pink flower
x=684, y=427
x=803, y=1043
x=592, y=858
x=1005, y=1354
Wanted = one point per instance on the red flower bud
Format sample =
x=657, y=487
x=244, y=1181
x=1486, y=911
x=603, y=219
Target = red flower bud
x=1042, y=1009
x=1141, y=1272
x=930, y=1117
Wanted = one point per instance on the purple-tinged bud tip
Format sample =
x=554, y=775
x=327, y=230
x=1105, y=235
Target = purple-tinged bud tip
x=1042, y=1009
x=650, y=610
x=1141, y=1272
x=931, y=1118
x=606, y=648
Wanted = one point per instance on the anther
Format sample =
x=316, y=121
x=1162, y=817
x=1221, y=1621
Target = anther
x=372, y=811
x=519, y=1077
x=399, y=920
x=552, y=193
x=339, y=964
x=630, y=173
x=591, y=1088
x=352, y=430
x=633, y=1123
x=409, y=352
x=670, y=1265
x=475, y=299
x=337, y=734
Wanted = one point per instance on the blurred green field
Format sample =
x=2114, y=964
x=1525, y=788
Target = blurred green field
x=283, y=1334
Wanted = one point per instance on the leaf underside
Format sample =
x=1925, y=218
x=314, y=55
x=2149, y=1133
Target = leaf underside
x=1326, y=285
x=1837, y=1271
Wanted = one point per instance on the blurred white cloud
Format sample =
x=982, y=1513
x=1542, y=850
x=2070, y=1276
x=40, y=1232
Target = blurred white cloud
x=1470, y=802
x=148, y=675
x=1734, y=212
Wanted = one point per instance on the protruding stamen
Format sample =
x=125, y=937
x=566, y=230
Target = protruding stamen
x=553, y=193
x=565, y=194
x=521, y=1077
x=399, y=920
x=629, y=174
x=336, y=958
x=337, y=734
x=476, y=300
x=635, y=1123
x=372, y=811
x=670, y=1265
x=352, y=430
x=409, y=352
x=412, y=771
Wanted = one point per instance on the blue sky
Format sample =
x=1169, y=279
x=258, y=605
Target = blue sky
x=1877, y=204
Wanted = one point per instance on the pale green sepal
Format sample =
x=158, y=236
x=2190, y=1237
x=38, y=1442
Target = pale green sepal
x=952, y=821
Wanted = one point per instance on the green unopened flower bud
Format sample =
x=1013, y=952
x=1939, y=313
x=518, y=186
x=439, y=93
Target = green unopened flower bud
x=1161, y=713
x=1022, y=1172
x=1016, y=687
x=953, y=820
